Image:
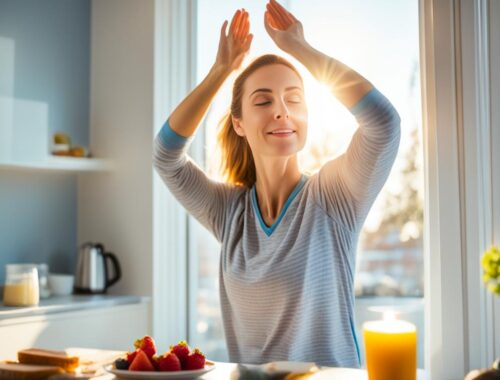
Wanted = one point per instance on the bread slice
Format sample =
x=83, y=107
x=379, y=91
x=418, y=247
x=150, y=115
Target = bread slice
x=48, y=357
x=16, y=371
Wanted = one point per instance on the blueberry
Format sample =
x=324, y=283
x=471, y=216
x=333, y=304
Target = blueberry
x=121, y=363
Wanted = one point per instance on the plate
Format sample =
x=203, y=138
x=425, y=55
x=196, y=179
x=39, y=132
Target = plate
x=340, y=374
x=143, y=375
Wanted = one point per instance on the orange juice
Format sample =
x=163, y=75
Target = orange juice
x=391, y=350
x=22, y=294
x=21, y=285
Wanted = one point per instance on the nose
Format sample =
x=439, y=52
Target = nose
x=281, y=111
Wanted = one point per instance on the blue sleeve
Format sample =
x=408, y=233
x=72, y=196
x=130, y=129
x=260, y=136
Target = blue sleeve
x=171, y=139
x=349, y=184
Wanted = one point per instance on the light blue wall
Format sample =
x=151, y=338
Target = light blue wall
x=48, y=46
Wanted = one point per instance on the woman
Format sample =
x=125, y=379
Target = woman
x=288, y=240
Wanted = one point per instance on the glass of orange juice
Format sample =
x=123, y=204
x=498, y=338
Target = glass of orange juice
x=391, y=349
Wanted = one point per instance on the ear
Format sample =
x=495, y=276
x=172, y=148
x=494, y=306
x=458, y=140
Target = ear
x=237, y=126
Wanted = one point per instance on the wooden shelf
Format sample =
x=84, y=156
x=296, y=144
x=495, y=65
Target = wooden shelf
x=59, y=164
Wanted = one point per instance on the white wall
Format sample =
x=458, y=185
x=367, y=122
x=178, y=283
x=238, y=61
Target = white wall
x=116, y=208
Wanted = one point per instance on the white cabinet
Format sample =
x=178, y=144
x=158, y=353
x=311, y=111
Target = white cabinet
x=115, y=328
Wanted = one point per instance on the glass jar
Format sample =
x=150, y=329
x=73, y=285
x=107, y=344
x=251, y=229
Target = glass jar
x=21, y=285
x=43, y=280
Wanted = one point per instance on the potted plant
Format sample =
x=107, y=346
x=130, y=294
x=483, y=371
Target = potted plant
x=490, y=263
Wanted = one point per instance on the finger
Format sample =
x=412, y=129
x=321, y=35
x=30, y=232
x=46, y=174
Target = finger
x=275, y=11
x=269, y=17
x=280, y=14
x=243, y=27
x=233, y=21
x=290, y=17
x=280, y=7
x=248, y=42
x=223, y=29
x=237, y=26
x=246, y=29
x=271, y=29
x=271, y=21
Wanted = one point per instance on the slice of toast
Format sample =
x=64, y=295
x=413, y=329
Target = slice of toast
x=48, y=357
x=16, y=371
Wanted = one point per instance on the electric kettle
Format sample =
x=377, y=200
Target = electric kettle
x=92, y=275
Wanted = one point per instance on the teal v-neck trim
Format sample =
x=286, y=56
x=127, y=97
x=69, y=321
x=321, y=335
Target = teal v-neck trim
x=291, y=197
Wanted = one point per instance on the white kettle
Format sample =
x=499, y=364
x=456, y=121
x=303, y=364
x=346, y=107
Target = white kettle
x=92, y=275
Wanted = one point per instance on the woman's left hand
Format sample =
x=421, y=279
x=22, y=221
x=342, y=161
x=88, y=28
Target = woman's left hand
x=284, y=29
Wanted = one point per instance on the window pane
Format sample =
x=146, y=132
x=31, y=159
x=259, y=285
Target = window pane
x=380, y=40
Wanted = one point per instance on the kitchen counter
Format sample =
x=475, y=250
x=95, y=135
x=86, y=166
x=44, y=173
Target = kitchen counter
x=97, y=321
x=222, y=371
x=59, y=304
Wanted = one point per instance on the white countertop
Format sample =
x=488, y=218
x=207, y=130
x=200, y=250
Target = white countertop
x=60, y=304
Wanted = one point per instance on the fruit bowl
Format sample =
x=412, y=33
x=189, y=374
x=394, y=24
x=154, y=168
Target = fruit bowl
x=155, y=375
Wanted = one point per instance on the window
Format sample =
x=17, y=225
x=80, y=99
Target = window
x=381, y=42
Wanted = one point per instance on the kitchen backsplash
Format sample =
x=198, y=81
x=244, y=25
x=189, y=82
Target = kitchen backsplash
x=38, y=220
x=44, y=88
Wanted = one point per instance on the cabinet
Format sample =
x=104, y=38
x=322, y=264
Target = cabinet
x=110, y=327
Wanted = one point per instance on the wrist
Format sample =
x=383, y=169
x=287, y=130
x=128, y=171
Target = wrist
x=219, y=71
x=301, y=51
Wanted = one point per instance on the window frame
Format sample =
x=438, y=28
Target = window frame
x=455, y=76
x=457, y=129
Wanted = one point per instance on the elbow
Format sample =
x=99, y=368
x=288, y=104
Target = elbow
x=158, y=157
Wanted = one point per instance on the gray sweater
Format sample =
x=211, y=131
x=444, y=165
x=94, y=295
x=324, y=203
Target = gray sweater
x=287, y=290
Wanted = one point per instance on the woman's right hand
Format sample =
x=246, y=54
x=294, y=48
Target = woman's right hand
x=236, y=44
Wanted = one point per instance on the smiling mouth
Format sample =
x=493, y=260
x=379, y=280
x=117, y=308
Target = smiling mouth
x=282, y=132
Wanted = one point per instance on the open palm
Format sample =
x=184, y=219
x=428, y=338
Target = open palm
x=284, y=29
x=235, y=45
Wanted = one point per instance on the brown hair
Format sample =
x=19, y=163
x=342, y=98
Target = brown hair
x=237, y=164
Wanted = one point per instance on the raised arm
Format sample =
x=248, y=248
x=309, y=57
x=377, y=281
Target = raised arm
x=233, y=47
x=347, y=186
x=347, y=85
x=205, y=199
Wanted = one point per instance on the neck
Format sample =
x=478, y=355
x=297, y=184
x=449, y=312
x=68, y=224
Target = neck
x=276, y=179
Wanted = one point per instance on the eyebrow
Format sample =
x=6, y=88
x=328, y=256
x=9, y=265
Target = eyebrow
x=269, y=90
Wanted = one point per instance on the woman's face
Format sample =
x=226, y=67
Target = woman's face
x=274, y=112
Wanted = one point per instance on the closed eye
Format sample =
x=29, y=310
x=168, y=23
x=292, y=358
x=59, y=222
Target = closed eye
x=263, y=103
x=295, y=99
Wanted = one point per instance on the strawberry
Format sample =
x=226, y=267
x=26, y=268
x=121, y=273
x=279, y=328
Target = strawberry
x=156, y=361
x=147, y=344
x=195, y=360
x=131, y=356
x=169, y=362
x=141, y=363
x=181, y=349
